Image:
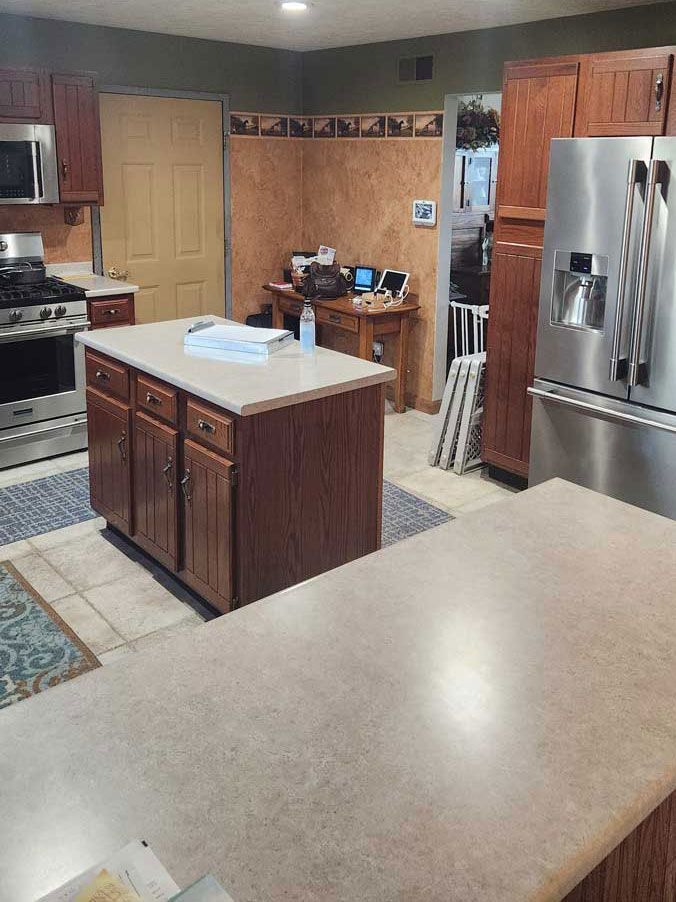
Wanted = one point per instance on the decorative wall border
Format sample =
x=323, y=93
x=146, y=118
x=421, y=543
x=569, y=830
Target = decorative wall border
x=359, y=125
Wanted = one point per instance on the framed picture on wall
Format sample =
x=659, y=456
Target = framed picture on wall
x=373, y=126
x=274, y=126
x=429, y=125
x=324, y=127
x=425, y=212
x=347, y=126
x=400, y=125
x=300, y=126
x=245, y=124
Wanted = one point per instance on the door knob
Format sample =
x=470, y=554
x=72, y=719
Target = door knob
x=119, y=274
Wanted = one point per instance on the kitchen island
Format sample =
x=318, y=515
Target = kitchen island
x=482, y=713
x=240, y=475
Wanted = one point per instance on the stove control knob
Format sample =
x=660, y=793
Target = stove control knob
x=15, y=315
x=45, y=313
x=60, y=310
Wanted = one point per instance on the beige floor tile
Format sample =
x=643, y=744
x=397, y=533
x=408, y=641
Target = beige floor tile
x=74, y=461
x=87, y=623
x=28, y=472
x=444, y=488
x=115, y=654
x=15, y=550
x=138, y=605
x=485, y=501
x=92, y=561
x=169, y=632
x=43, y=577
x=71, y=534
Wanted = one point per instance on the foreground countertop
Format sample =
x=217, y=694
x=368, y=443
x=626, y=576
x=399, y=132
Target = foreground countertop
x=241, y=383
x=477, y=714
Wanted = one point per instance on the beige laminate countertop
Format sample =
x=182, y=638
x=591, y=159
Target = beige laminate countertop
x=94, y=286
x=477, y=714
x=240, y=383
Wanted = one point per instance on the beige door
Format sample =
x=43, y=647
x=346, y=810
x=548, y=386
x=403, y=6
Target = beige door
x=162, y=221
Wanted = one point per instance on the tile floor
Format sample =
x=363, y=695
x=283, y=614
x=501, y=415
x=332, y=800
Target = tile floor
x=118, y=602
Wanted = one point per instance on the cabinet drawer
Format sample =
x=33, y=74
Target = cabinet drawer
x=108, y=376
x=293, y=308
x=158, y=399
x=338, y=320
x=210, y=427
x=111, y=312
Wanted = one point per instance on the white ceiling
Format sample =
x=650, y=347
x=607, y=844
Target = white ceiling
x=328, y=23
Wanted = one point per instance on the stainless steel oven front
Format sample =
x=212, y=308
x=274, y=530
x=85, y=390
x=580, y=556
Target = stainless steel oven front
x=28, y=168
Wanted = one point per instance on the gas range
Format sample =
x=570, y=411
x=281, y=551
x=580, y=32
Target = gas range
x=52, y=292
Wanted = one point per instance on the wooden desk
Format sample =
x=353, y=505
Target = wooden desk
x=368, y=326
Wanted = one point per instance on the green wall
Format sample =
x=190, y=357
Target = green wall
x=364, y=79
x=256, y=78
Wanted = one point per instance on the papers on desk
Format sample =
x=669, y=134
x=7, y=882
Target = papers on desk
x=242, y=339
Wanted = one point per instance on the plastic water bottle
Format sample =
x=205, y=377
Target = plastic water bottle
x=307, y=329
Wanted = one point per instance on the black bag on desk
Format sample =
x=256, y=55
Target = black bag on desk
x=325, y=282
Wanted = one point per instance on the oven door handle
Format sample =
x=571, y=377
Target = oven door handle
x=32, y=333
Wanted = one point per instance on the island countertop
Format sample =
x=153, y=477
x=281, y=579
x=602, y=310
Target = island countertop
x=477, y=714
x=236, y=383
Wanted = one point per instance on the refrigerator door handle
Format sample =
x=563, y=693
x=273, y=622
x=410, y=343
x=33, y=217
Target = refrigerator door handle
x=635, y=371
x=602, y=412
x=618, y=365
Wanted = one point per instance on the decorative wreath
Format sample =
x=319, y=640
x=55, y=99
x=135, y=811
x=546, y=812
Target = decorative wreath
x=477, y=126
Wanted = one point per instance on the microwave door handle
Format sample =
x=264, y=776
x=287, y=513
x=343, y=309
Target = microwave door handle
x=37, y=180
x=618, y=365
x=634, y=374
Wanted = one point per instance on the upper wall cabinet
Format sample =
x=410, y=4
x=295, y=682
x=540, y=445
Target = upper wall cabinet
x=25, y=96
x=78, y=138
x=623, y=93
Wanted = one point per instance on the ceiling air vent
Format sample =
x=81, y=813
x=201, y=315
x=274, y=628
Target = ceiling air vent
x=415, y=68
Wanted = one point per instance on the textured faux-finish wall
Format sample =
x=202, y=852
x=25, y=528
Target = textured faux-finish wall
x=357, y=197
x=364, y=79
x=265, y=176
x=256, y=78
x=63, y=243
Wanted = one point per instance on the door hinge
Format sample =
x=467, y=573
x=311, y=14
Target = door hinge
x=227, y=244
x=234, y=603
x=234, y=477
x=226, y=140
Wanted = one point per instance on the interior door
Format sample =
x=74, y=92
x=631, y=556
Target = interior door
x=586, y=293
x=655, y=320
x=163, y=220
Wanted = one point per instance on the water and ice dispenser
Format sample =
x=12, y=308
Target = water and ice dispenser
x=579, y=295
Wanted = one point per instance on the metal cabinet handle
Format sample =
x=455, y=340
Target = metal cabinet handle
x=185, y=483
x=65, y=168
x=153, y=399
x=334, y=317
x=103, y=375
x=122, y=446
x=206, y=426
x=618, y=366
x=634, y=371
x=659, y=92
x=112, y=312
x=166, y=470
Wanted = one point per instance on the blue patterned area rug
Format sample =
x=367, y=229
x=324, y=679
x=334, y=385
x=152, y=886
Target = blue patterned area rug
x=37, y=649
x=406, y=515
x=32, y=508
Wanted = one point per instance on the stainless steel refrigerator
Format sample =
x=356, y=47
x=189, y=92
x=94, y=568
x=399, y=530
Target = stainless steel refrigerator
x=604, y=397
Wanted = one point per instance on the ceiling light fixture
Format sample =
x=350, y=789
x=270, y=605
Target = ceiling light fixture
x=293, y=6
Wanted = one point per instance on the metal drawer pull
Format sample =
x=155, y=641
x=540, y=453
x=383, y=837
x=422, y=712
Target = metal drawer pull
x=659, y=92
x=334, y=317
x=112, y=312
x=206, y=426
x=65, y=168
x=166, y=469
x=185, y=482
x=103, y=375
x=122, y=446
x=153, y=399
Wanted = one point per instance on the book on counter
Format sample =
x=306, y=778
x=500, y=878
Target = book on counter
x=244, y=339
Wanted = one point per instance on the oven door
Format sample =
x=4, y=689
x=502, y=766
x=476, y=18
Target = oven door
x=42, y=372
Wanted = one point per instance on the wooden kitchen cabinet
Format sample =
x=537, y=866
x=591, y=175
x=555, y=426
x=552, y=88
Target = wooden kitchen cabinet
x=623, y=93
x=25, y=96
x=78, y=138
x=207, y=504
x=117, y=310
x=155, y=465
x=109, y=427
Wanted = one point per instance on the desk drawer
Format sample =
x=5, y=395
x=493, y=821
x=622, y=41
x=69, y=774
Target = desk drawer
x=108, y=376
x=111, y=312
x=337, y=320
x=208, y=426
x=155, y=398
x=293, y=308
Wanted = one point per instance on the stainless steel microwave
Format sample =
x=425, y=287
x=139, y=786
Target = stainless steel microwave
x=28, y=172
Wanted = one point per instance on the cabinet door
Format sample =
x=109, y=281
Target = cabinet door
x=24, y=96
x=109, y=426
x=78, y=138
x=155, y=492
x=207, y=503
x=510, y=355
x=623, y=94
